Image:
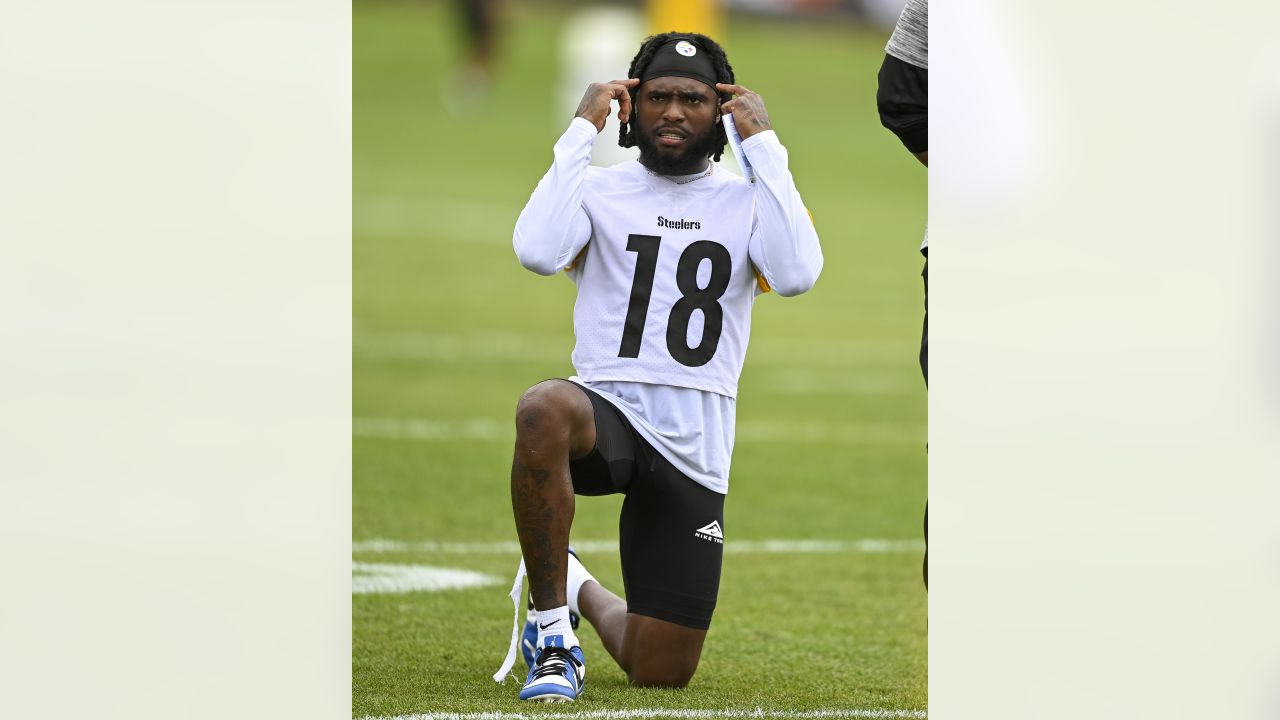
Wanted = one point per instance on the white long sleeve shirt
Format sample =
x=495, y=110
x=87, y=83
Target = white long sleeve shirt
x=667, y=273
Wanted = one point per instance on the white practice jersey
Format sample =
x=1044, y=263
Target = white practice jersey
x=667, y=274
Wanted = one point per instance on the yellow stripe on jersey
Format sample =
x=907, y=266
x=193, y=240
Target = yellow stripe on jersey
x=577, y=259
x=764, y=284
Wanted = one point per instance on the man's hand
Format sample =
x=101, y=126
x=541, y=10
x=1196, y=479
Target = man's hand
x=749, y=115
x=596, y=101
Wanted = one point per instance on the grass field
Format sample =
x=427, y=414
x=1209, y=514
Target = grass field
x=449, y=330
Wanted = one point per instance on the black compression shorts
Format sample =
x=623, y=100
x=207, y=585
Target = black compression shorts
x=902, y=97
x=671, y=532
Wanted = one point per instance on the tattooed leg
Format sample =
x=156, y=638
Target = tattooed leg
x=554, y=422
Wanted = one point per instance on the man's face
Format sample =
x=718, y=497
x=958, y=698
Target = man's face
x=675, y=124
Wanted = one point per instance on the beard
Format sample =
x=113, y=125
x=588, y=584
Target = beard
x=688, y=160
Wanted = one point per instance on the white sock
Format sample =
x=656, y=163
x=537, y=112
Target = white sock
x=554, y=628
x=577, y=575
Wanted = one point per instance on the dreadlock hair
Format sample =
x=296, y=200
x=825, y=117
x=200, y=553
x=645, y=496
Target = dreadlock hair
x=719, y=61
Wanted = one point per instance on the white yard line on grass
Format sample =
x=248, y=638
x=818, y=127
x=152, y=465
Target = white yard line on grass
x=763, y=547
x=425, y=429
x=468, y=347
x=752, y=431
x=683, y=714
x=459, y=347
x=370, y=578
x=417, y=215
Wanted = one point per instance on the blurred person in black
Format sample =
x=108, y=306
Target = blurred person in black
x=903, y=101
x=473, y=77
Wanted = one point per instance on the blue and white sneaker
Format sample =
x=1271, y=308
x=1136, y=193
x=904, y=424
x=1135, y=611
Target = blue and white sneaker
x=529, y=639
x=559, y=674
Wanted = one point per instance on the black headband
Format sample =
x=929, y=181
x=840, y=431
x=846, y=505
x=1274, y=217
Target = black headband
x=681, y=58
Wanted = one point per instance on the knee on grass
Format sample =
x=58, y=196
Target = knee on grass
x=667, y=676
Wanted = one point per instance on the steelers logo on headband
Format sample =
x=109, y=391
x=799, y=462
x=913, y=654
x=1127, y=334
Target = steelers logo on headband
x=680, y=58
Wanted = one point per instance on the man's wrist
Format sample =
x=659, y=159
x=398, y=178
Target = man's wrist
x=581, y=122
x=760, y=138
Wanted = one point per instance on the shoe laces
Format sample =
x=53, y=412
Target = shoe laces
x=554, y=661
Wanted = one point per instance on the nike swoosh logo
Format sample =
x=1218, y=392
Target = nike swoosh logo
x=544, y=627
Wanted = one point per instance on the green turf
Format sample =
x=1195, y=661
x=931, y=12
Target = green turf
x=448, y=327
